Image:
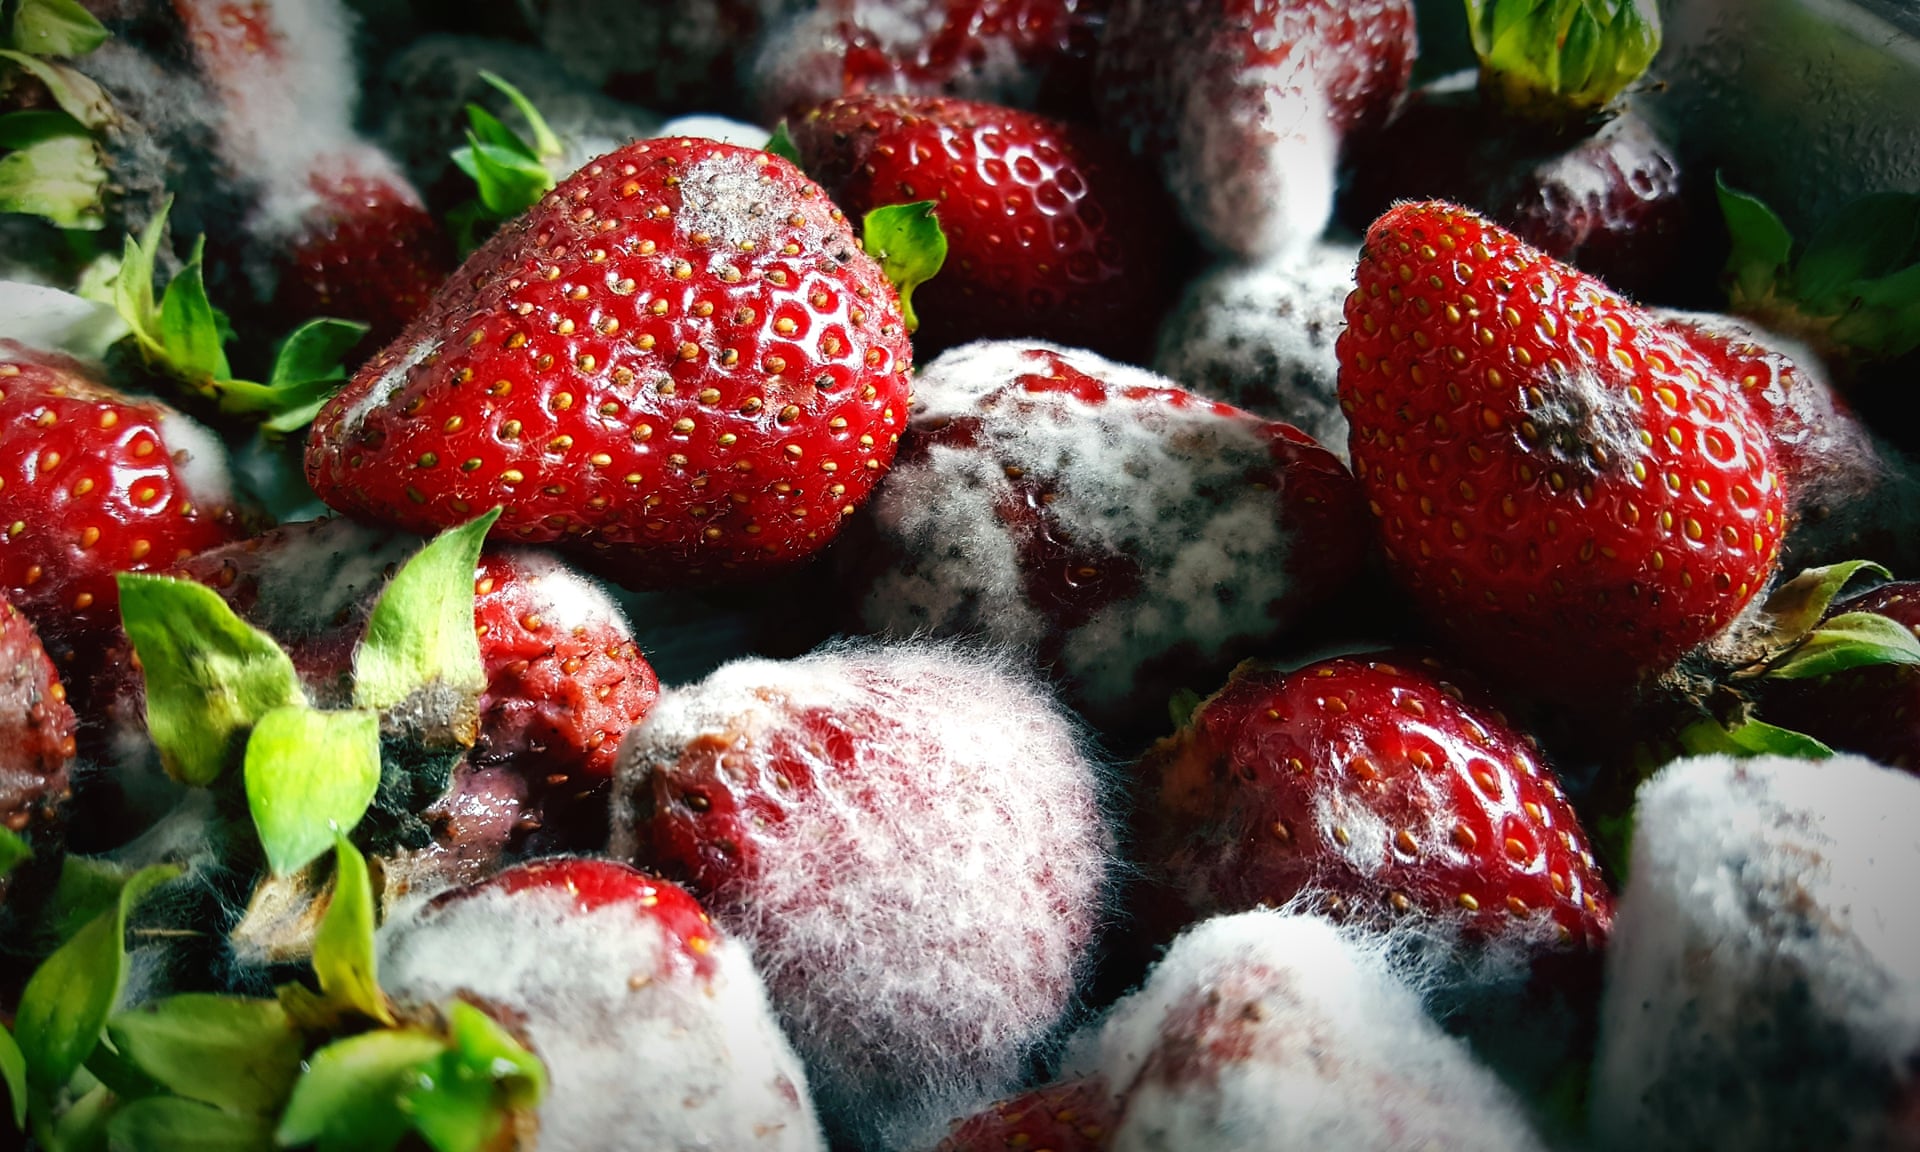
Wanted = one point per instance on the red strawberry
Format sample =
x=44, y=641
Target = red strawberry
x=590, y=885
x=93, y=483
x=1576, y=495
x=680, y=360
x=1874, y=711
x=1027, y=53
x=337, y=229
x=1374, y=785
x=1074, y=1116
x=1133, y=536
x=1247, y=104
x=836, y=813
x=1053, y=233
x=36, y=734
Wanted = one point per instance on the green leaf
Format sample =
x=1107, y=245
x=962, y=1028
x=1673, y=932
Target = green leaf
x=349, y=1098
x=488, y=128
x=343, y=948
x=1873, y=237
x=133, y=285
x=316, y=350
x=13, y=851
x=464, y=1097
x=86, y=888
x=1182, y=706
x=25, y=129
x=910, y=245
x=189, y=330
x=1549, y=58
x=545, y=145
x=56, y=28
x=420, y=643
x=13, y=1074
x=1761, y=249
x=169, y=1124
x=509, y=182
x=210, y=675
x=66, y=1003
x=309, y=776
x=1750, y=738
x=239, y=1055
x=81, y=1127
x=76, y=95
x=1796, y=607
x=781, y=144
x=61, y=179
x=1883, y=317
x=1849, y=640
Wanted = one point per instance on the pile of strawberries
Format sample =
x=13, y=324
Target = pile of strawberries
x=825, y=629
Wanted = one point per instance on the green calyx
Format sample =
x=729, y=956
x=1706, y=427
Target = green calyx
x=183, y=336
x=781, y=144
x=1852, y=290
x=510, y=172
x=1562, y=59
x=51, y=164
x=911, y=246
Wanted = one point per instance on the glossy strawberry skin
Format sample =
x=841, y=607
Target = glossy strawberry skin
x=1872, y=711
x=1552, y=472
x=679, y=362
x=1378, y=786
x=371, y=252
x=1052, y=232
x=89, y=486
x=1074, y=1116
x=597, y=884
x=37, y=729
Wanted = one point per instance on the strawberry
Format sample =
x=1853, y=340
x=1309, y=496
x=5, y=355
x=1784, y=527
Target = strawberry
x=680, y=361
x=1552, y=470
x=1026, y=53
x=1373, y=785
x=914, y=992
x=1052, y=233
x=36, y=739
x=1073, y=1116
x=336, y=227
x=1873, y=711
x=93, y=483
x=648, y=1019
x=1135, y=537
x=1248, y=104
x=668, y=54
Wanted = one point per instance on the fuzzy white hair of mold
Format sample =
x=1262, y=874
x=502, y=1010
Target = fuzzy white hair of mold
x=1261, y=337
x=1764, y=972
x=386, y=385
x=1279, y=1032
x=708, y=127
x=1257, y=182
x=568, y=598
x=732, y=199
x=1159, y=484
x=162, y=140
x=924, y=922
x=677, y=43
x=53, y=320
x=639, y=1052
x=319, y=569
x=200, y=459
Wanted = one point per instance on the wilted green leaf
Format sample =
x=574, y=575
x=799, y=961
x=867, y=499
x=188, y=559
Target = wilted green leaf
x=60, y=179
x=343, y=950
x=1849, y=640
x=56, y=28
x=420, y=638
x=240, y=1055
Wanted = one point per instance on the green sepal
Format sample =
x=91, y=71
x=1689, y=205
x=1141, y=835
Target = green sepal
x=170, y=1124
x=349, y=1097
x=1557, y=58
x=210, y=675
x=56, y=28
x=238, y=1055
x=1761, y=247
x=190, y=336
x=13, y=1075
x=544, y=145
x=309, y=368
x=1849, y=640
x=911, y=246
x=86, y=888
x=310, y=775
x=27, y=128
x=464, y=1096
x=81, y=1126
x=1796, y=607
x=781, y=144
x=65, y=1006
x=61, y=179
x=420, y=653
x=76, y=95
x=1750, y=738
x=344, y=959
x=133, y=294
x=510, y=173
x=14, y=851
x=1182, y=706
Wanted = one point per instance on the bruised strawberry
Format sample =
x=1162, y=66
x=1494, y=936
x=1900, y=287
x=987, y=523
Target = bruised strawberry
x=1024, y=53
x=1377, y=788
x=93, y=483
x=36, y=736
x=648, y=1019
x=1074, y=1116
x=1133, y=536
x=1575, y=494
x=1247, y=105
x=1052, y=233
x=680, y=363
